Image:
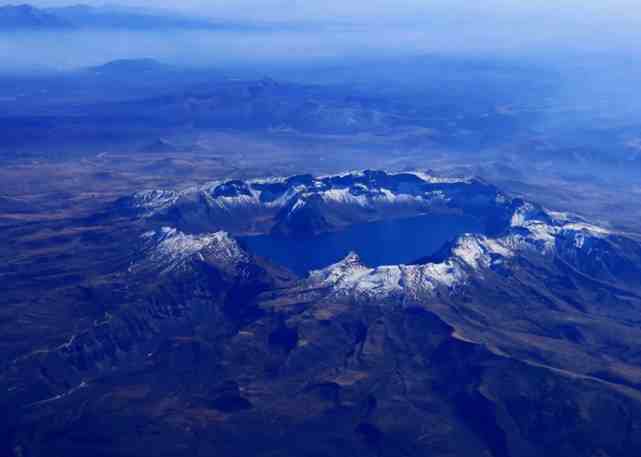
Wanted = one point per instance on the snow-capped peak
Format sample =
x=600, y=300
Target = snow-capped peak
x=366, y=189
x=170, y=248
x=153, y=201
x=472, y=255
x=350, y=276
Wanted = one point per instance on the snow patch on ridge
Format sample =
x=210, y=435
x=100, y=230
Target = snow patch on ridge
x=531, y=229
x=363, y=190
x=351, y=277
x=424, y=176
x=172, y=248
x=153, y=201
x=589, y=228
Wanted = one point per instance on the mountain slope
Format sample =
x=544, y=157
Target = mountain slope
x=306, y=205
x=519, y=341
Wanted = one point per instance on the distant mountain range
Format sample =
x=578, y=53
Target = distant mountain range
x=14, y=17
x=125, y=68
x=28, y=17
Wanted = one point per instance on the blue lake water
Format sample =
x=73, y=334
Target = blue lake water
x=387, y=242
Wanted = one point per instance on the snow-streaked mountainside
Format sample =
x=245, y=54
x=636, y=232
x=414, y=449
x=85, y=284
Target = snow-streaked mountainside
x=170, y=249
x=306, y=204
x=531, y=233
x=515, y=228
x=357, y=188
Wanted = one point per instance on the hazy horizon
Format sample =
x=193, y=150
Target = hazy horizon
x=331, y=30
